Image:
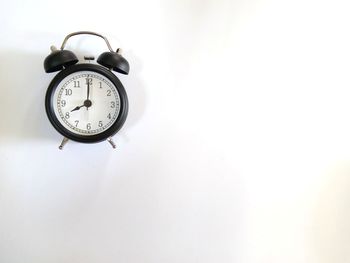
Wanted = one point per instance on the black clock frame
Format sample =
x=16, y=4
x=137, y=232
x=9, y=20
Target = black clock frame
x=116, y=126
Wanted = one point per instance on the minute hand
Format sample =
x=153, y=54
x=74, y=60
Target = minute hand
x=88, y=88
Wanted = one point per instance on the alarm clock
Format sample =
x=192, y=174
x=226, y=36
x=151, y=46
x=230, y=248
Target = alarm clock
x=86, y=102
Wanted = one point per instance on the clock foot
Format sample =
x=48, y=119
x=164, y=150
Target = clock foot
x=111, y=142
x=63, y=143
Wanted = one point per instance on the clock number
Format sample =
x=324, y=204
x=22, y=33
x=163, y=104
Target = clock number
x=100, y=85
x=112, y=104
x=109, y=92
x=88, y=81
x=77, y=84
x=63, y=103
x=76, y=123
x=88, y=126
x=109, y=116
x=100, y=124
x=68, y=92
x=67, y=115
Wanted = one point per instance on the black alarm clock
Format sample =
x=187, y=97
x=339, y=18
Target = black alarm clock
x=86, y=102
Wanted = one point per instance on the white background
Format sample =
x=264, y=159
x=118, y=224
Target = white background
x=236, y=149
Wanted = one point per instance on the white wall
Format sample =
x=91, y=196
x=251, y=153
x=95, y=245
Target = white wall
x=236, y=149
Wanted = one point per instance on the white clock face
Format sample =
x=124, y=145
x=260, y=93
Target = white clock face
x=86, y=103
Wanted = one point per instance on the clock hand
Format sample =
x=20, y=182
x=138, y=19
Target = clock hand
x=88, y=88
x=77, y=108
x=87, y=104
x=88, y=92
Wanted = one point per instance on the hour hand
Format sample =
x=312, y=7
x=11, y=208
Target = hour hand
x=77, y=108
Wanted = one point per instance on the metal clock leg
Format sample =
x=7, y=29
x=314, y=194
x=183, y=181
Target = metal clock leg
x=111, y=142
x=63, y=143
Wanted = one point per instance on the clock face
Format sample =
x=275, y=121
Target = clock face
x=86, y=103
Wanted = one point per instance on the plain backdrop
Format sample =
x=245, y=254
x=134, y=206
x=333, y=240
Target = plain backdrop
x=236, y=148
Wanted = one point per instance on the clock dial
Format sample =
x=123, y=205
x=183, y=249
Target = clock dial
x=86, y=103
